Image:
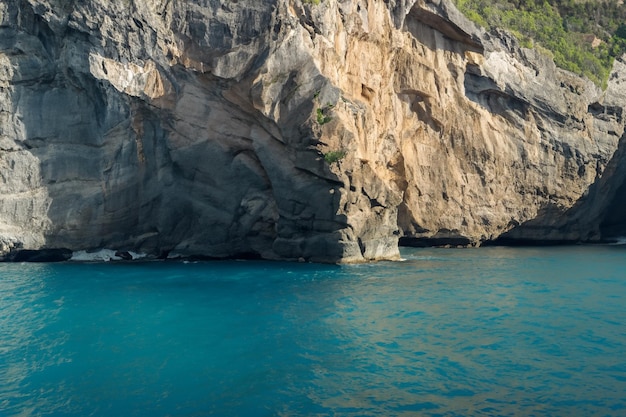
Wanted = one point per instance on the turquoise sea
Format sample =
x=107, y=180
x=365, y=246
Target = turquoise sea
x=447, y=332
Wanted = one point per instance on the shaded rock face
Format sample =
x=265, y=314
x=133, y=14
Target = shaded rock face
x=598, y=215
x=285, y=130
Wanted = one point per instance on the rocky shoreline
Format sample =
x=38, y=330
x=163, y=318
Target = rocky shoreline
x=292, y=130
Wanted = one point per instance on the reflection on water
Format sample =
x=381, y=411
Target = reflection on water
x=482, y=332
x=27, y=346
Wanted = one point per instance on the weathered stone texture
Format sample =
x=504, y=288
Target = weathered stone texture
x=200, y=127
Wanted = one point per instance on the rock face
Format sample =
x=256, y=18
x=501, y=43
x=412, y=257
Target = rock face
x=286, y=129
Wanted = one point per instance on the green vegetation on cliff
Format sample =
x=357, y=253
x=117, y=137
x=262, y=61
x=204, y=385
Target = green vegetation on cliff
x=583, y=36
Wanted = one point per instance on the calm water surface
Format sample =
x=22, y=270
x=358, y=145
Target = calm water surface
x=486, y=332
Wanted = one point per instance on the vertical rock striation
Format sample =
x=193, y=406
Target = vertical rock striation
x=284, y=129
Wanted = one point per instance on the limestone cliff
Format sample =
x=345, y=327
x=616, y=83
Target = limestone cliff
x=286, y=129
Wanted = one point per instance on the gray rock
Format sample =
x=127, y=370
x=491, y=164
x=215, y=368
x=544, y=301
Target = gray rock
x=207, y=128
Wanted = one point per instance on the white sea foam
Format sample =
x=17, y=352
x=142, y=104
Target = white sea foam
x=103, y=255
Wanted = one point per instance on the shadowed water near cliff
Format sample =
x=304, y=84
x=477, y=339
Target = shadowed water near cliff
x=493, y=331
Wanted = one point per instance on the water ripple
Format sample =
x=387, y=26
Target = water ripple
x=490, y=332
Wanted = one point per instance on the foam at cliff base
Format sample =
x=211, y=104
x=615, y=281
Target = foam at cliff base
x=619, y=241
x=103, y=255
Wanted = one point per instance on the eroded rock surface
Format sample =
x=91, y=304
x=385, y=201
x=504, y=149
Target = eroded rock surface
x=287, y=130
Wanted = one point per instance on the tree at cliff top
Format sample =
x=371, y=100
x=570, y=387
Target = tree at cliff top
x=582, y=36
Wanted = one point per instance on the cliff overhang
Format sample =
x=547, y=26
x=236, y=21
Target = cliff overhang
x=289, y=130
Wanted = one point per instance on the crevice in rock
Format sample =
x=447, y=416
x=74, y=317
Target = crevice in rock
x=361, y=247
x=606, y=113
x=375, y=203
x=434, y=241
x=328, y=178
x=437, y=17
x=39, y=255
x=420, y=104
x=485, y=92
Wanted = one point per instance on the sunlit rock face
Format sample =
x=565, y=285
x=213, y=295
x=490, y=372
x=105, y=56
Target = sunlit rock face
x=287, y=130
